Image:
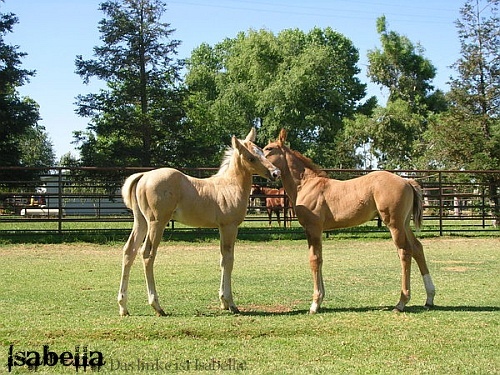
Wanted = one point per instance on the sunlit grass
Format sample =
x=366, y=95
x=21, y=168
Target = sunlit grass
x=65, y=295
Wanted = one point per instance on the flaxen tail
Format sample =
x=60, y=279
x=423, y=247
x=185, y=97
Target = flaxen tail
x=418, y=203
x=128, y=191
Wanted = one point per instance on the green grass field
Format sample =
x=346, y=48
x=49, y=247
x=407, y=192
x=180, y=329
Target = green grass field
x=64, y=295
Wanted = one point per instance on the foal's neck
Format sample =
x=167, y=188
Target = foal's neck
x=238, y=175
x=294, y=174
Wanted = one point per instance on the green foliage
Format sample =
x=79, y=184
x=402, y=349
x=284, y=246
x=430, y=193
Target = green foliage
x=455, y=141
x=36, y=148
x=401, y=67
x=305, y=82
x=22, y=141
x=135, y=119
x=467, y=136
x=392, y=136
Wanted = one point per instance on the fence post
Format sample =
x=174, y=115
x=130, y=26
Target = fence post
x=483, y=205
x=59, y=201
x=285, y=210
x=441, y=202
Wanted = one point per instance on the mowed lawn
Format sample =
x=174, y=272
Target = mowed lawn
x=64, y=296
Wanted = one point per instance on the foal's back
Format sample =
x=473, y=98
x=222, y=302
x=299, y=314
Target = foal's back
x=199, y=202
x=342, y=204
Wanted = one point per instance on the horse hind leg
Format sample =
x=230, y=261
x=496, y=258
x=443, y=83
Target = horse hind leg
x=419, y=256
x=148, y=251
x=405, y=254
x=129, y=253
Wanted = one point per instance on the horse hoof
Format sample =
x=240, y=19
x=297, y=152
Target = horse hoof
x=428, y=306
x=161, y=313
x=397, y=310
x=234, y=309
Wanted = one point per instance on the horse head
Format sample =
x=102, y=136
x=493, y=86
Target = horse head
x=274, y=151
x=252, y=157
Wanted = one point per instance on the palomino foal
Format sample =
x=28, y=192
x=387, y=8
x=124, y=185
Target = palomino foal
x=321, y=203
x=219, y=201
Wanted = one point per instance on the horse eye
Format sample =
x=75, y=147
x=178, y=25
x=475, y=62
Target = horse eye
x=251, y=159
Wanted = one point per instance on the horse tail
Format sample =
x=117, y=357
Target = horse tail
x=418, y=202
x=129, y=189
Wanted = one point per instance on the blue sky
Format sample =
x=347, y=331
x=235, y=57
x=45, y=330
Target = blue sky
x=53, y=32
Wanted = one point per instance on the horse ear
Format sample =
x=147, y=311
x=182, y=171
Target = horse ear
x=236, y=144
x=282, y=136
x=251, y=135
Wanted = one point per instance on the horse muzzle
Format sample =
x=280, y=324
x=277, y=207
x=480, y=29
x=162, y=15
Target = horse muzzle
x=275, y=174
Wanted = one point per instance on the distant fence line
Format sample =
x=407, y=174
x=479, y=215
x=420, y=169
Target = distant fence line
x=60, y=199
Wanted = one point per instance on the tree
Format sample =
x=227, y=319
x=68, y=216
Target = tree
x=401, y=67
x=134, y=120
x=474, y=97
x=37, y=149
x=467, y=136
x=393, y=134
x=305, y=82
x=389, y=137
x=19, y=116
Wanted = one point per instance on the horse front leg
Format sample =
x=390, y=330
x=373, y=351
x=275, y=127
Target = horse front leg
x=129, y=253
x=316, y=263
x=227, y=239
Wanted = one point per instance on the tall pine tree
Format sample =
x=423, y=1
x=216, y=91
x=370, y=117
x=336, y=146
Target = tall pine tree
x=467, y=136
x=133, y=121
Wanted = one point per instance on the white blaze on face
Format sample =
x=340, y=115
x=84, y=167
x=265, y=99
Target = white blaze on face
x=276, y=173
x=258, y=151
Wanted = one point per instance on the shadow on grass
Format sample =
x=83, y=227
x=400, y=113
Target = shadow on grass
x=390, y=309
x=269, y=312
x=467, y=308
x=196, y=235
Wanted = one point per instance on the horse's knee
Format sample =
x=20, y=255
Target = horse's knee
x=315, y=261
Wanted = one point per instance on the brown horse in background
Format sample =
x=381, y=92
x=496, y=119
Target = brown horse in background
x=219, y=201
x=321, y=203
x=276, y=201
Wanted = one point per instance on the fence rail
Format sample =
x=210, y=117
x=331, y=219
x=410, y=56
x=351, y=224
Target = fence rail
x=69, y=199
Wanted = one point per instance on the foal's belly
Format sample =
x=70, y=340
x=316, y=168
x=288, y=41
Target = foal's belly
x=350, y=218
x=195, y=219
x=347, y=222
x=207, y=217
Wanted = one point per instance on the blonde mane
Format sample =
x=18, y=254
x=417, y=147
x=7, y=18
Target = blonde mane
x=226, y=161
